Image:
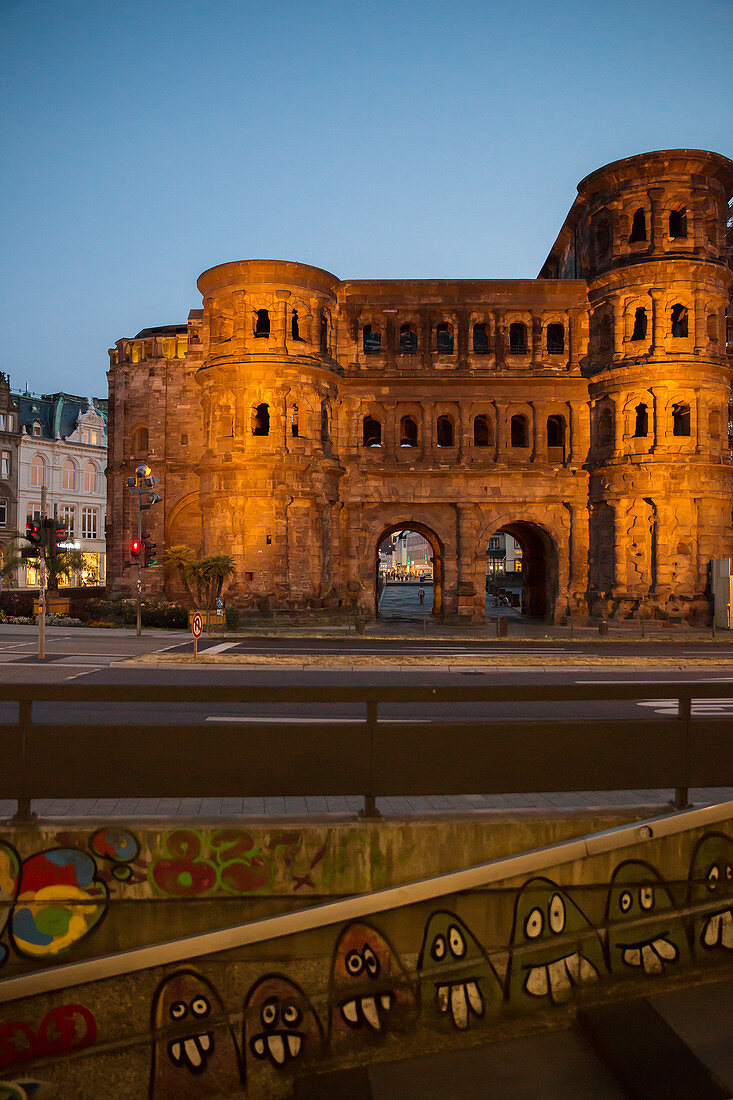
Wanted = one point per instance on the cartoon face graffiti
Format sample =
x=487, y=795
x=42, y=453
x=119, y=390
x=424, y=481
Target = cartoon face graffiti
x=194, y=1052
x=456, y=977
x=9, y=876
x=280, y=1022
x=554, y=947
x=60, y=899
x=645, y=932
x=711, y=885
x=370, y=989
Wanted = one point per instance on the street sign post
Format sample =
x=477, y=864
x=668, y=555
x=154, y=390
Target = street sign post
x=197, y=627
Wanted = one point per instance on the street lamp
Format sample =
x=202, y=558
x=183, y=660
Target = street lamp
x=140, y=485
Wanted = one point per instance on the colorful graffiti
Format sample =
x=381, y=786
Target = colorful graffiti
x=711, y=883
x=280, y=1023
x=457, y=980
x=195, y=1052
x=63, y=1029
x=231, y=861
x=645, y=930
x=370, y=990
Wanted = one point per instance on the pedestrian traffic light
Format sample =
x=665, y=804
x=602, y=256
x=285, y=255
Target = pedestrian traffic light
x=135, y=547
x=151, y=553
x=34, y=532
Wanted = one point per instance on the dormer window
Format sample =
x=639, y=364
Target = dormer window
x=36, y=429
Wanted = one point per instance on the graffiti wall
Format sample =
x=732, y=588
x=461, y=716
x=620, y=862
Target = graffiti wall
x=418, y=979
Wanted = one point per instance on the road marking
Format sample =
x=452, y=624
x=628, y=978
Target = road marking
x=700, y=708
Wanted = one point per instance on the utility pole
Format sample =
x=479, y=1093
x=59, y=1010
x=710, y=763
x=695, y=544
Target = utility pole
x=141, y=483
x=42, y=581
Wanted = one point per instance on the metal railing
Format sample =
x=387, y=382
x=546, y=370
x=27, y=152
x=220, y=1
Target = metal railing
x=111, y=756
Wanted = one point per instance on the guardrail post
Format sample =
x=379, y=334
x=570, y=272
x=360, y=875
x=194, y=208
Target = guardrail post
x=370, y=799
x=684, y=711
x=24, y=815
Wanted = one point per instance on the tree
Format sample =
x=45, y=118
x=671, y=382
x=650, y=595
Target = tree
x=62, y=566
x=204, y=575
x=181, y=559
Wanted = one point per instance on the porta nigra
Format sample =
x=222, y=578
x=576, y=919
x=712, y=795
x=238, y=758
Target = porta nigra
x=297, y=419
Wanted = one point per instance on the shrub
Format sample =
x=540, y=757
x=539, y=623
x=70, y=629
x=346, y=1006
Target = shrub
x=168, y=616
x=17, y=603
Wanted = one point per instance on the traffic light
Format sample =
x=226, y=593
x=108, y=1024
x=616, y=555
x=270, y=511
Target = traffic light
x=151, y=554
x=34, y=531
x=135, y=548
x=56, y=534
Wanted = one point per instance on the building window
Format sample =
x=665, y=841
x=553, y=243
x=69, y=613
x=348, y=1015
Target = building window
x=518, y=338
x=519, y=431
x=555, y=431
x=90, y=478
x=90, y=436
x=371, y=432
x=325, y=422
x=3, y=512
x=408, y=432
x=712, y=327
x=555, y=339
x=444, y=338
x=641, y=425
x=372, y=340
x=408, y=340
x=92, y=570
x=444, y=431
x=680, y=419
x=184, y=439
x=262, y=323
x=68, y=517
x=640, y=324
x=33, y=511
x=68, y=475
x=294, y=423
x=38, y=471
x=140, y=441
x=480, y=339
x=678, y=224
x=638, y=226
x=260, y=420
x=481, y=431
x=4, y=464
x=295, y=327
x=324, y=334
x=36, y=428
x=679, y=320
x=89, y=523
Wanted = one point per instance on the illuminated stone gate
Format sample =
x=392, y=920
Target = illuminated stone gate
x=297, y=417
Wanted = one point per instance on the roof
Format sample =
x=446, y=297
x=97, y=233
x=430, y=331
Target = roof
x=57, y=413
x=161, y=330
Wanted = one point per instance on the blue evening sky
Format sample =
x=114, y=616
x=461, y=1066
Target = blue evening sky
x=143, y=142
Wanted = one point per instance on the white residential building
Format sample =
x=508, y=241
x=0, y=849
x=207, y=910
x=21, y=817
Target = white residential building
x=63, y=447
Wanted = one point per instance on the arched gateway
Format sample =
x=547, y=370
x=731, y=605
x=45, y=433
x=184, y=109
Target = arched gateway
x=437, y=555
x=539, y=568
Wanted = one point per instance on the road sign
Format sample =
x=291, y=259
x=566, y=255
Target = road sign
x=219, y=601
x=197, y=625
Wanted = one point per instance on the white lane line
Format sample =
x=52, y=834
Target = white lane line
x=673, y=679
x=701, y=708
x=219, y=648
x=256, y=721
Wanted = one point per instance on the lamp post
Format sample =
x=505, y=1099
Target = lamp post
x=140, y=485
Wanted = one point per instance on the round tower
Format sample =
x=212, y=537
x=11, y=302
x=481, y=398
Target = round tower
x=650, y=238
x=269, y=393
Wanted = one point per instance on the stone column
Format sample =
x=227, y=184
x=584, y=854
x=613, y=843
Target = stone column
x=463, y=322
x=536, y=340
x=656, y=227
x=573, y=348
x=657, y=347
x=700, y=323
x=389, y=440
x=699, y=237
x=425, y=345
x=499, y=339
x=389, y=338
x=281, y=321
x=698, y=447
x=464, y=436
x=502, y=431
x=618, y=423
x=618, y=328
x=621, y=545
x=427, y=430
x=538, y=451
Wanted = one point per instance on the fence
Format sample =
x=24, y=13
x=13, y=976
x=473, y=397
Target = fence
x=111, y=757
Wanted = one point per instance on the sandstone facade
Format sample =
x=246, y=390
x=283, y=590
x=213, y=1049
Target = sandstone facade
x=298, y=419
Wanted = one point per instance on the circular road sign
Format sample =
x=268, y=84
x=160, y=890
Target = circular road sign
x=197, y=625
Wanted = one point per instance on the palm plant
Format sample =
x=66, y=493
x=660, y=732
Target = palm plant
x=204, y=575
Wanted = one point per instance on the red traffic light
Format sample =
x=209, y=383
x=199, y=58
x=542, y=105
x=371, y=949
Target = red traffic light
x=136, y=547
x=33, y=532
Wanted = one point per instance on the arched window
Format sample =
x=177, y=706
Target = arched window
x=408, y=432
x=602, y=236
x=324, y=334
x=68, y=475
x=712, y=327
x=678, y=223
x=325, y=422
x=444, y=431
x=371, y=432
x=408, y=340
x=679, y=320
x=605, y=427
x=714, y=424
x=680, y=419
x=90, y=478
x=261, y=419
x=638, y=226
x=140, y=442
x=641, y=424
x=481, y=431
x=38, y=472
x=640, y=324
x=518, y=338
x=555, y=339
x=372, y=339
x=555, y=431
x=480, y=339
x=444, y=338
x=519, y=431
x=294, y=428
x=295, y=326
x=262, y=324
